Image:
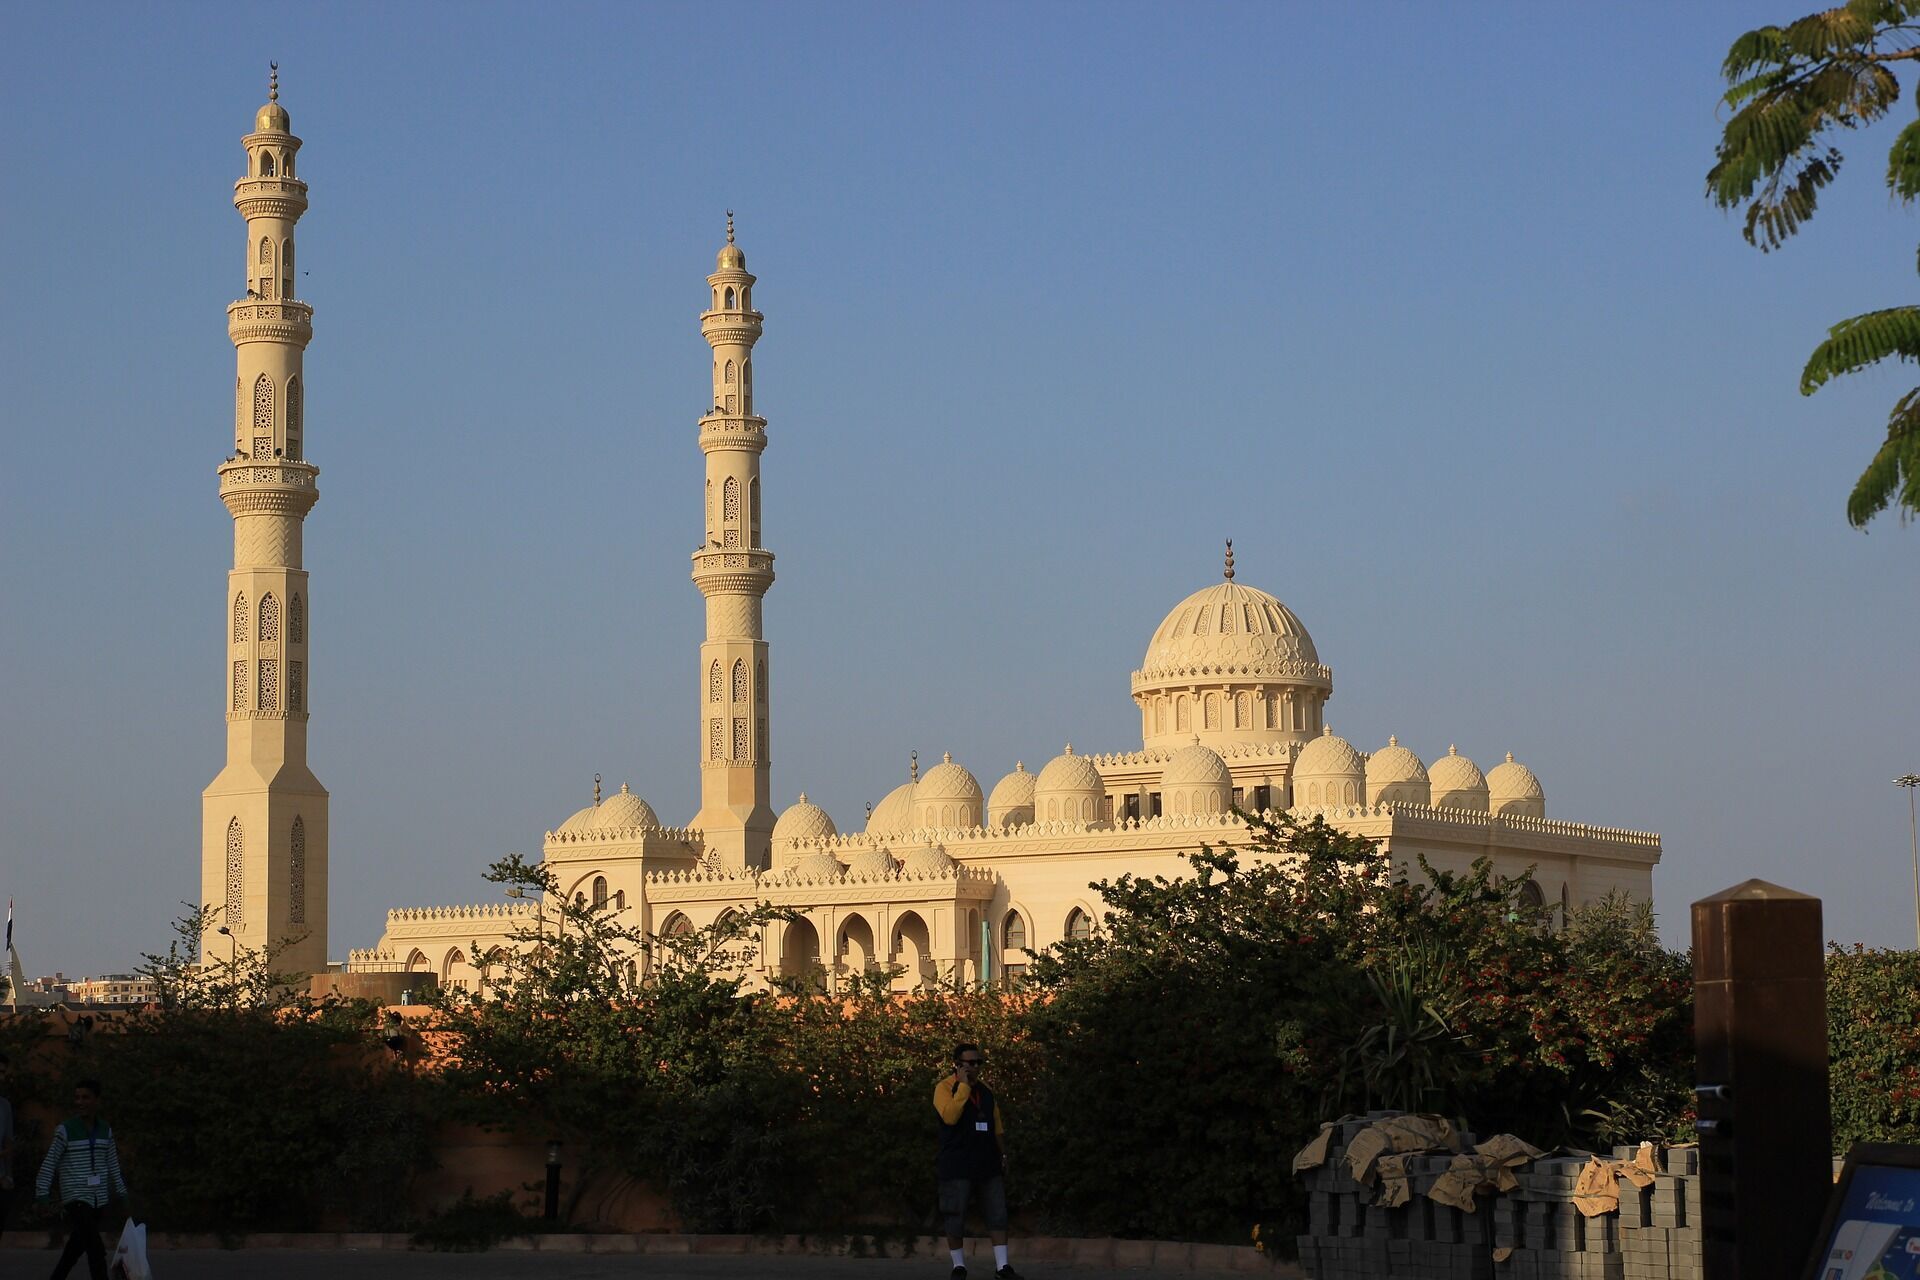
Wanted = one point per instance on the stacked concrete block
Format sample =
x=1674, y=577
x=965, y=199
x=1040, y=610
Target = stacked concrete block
x=1660, y=1224
x=1544, y=1236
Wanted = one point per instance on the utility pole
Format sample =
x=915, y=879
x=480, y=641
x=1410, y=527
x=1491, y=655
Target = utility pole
x=1911, y=781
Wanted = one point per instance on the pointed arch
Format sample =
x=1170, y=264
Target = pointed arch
x=730, y=500
x=266, y=164
x=297, y=872
x=753, y=512
x=236, y=875
x=713, y=681
x=269, y=618
x=295, y=412
x=417, y=962
x=240, y=617
x=709, y=508
x=1079, y=925
x=1013, y=931
x=296, y=620
x=676, y=926
x=730, y=297
x=599, y=892
x=739, y=679
x=854, y=948
x=727, y=376
x=266, y=251
x=262, y=450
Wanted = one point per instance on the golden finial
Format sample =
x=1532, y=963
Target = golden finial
x=596, y=789
x=729, y=226
x=273, y=82
x=913, y=766
x=1229, y=559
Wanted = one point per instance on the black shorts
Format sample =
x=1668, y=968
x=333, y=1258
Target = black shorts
x=955, y=1192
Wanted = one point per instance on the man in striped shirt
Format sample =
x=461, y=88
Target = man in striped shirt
x=87, y=1163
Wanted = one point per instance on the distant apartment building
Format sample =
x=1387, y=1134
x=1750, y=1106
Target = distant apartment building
x=113, y=988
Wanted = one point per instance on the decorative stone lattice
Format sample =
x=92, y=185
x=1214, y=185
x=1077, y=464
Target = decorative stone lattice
x=295, y=412
x=760, y=685
x=269, y=618
x=296, y=620
x=269, y=684
x=730, y=500
x=266, y=249
x=763, y=740
x=740, y=738
x=297, y=873
x=296, y=686
x=263, y=403
x=262, y=447
x=239, y=686
x=739, y=680
x=240, y=618
x=236, y=873
x=713, y=682
x=716, y=742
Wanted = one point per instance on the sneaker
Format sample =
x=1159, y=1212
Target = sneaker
x=959, y=1273
x=1007, y=1273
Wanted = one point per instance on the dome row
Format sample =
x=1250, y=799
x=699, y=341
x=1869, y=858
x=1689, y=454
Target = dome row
x=619, y=812
x=1328, y=771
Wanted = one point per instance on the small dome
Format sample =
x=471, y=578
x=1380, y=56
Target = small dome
x=932, y=861
x=579, y=821
x=870, y=864
x=1010, y=803
x=1512, y=788
x=947, y=796
x=1069, y=772
x=1196, y=765
x=894, y=813
x=624, y=809
x=802, y=821
x=1396, y=776
x=1329, y=754
x=272, y=118
x=817, y=867
x=1457, y=783
x=730, y=258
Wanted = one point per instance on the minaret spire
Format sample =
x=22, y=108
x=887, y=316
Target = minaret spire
x=733, y=571
x=263, y=851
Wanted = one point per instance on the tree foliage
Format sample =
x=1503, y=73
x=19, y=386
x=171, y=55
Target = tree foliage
x=1789, y=90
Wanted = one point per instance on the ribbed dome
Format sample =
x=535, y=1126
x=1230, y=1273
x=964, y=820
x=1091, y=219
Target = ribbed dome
x=624, y=809
x=894, y=813
x=579, y=821
x=1229, y=625
x=817, y=867
x=1010, y=803
x=803, y=820
x=272, y=118
x=927, y=862
x=730, y=258
x=1196, y=766
x=1457, y=783
x=871, y=863
x=1329, y=754
x=1512, y=788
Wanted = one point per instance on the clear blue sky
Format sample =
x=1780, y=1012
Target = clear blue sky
x=1424, y=309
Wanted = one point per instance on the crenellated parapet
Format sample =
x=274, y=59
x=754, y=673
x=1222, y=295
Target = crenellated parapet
x=480, y=912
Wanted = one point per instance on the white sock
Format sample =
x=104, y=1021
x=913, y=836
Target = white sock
x=959, y=1257
x=999, y=1255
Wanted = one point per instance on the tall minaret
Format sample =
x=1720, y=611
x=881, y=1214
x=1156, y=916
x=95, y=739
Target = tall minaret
x=733, y=571
x=263, y=841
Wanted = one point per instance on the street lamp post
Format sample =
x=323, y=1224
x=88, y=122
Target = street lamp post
x=1911, y=781
x=232, y=946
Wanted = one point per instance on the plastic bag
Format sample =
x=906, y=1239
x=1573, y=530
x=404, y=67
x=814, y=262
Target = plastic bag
x=130, y=1255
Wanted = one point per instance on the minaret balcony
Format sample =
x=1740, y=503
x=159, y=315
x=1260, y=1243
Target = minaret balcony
x=264, y=320
x=738, y=328
x=733, y=570
x=732, y=431
x=269, y=486
x=270, y=197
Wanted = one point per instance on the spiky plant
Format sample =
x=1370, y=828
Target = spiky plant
x=1789, y=89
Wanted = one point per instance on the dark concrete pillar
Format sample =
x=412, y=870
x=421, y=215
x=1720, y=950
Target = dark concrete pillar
x=1760, y=1033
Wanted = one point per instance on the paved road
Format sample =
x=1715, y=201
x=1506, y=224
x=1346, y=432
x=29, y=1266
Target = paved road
x=302, y=1264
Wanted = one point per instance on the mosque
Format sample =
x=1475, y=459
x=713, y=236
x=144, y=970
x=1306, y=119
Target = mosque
x=945, y=880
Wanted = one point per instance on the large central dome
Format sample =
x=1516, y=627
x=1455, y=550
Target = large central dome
x=1230, y=665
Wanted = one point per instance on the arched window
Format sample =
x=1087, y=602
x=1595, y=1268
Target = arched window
x=677, y=926
x=740, y=680
x=1014, y=932
x=1159, y=716
x=729, y=373
x=599, y=892
x=297, y=873
x=713, y=682
x=266, y=164
x=262, y=418
x=753, y=509
x=266, y=251
x=1532, y=895
x=1182, y=717
x=740, y=751
x=236, y=874
x=1313, y=793
x=239, y=686
x=620, y=900
x=269, y=617
x=729, y=299
x=1079, y=924
x=1243, y=717
x=294, y=415
x=730, y=501
x=709, y=507
x=1226, y=619
x=240, y=618
x=269, y=697
x=1213, y=711
x=716, y=741
x=760, y=682
x=296, y=620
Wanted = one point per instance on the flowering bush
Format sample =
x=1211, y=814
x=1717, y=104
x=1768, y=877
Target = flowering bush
x=1873, y=1044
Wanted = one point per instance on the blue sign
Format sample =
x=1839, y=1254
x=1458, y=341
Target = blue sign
x=1877, y=1236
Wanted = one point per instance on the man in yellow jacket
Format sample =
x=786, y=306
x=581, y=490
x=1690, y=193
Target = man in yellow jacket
x=972, y=1159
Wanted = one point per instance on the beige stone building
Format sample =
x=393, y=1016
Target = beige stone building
x=944, y=878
